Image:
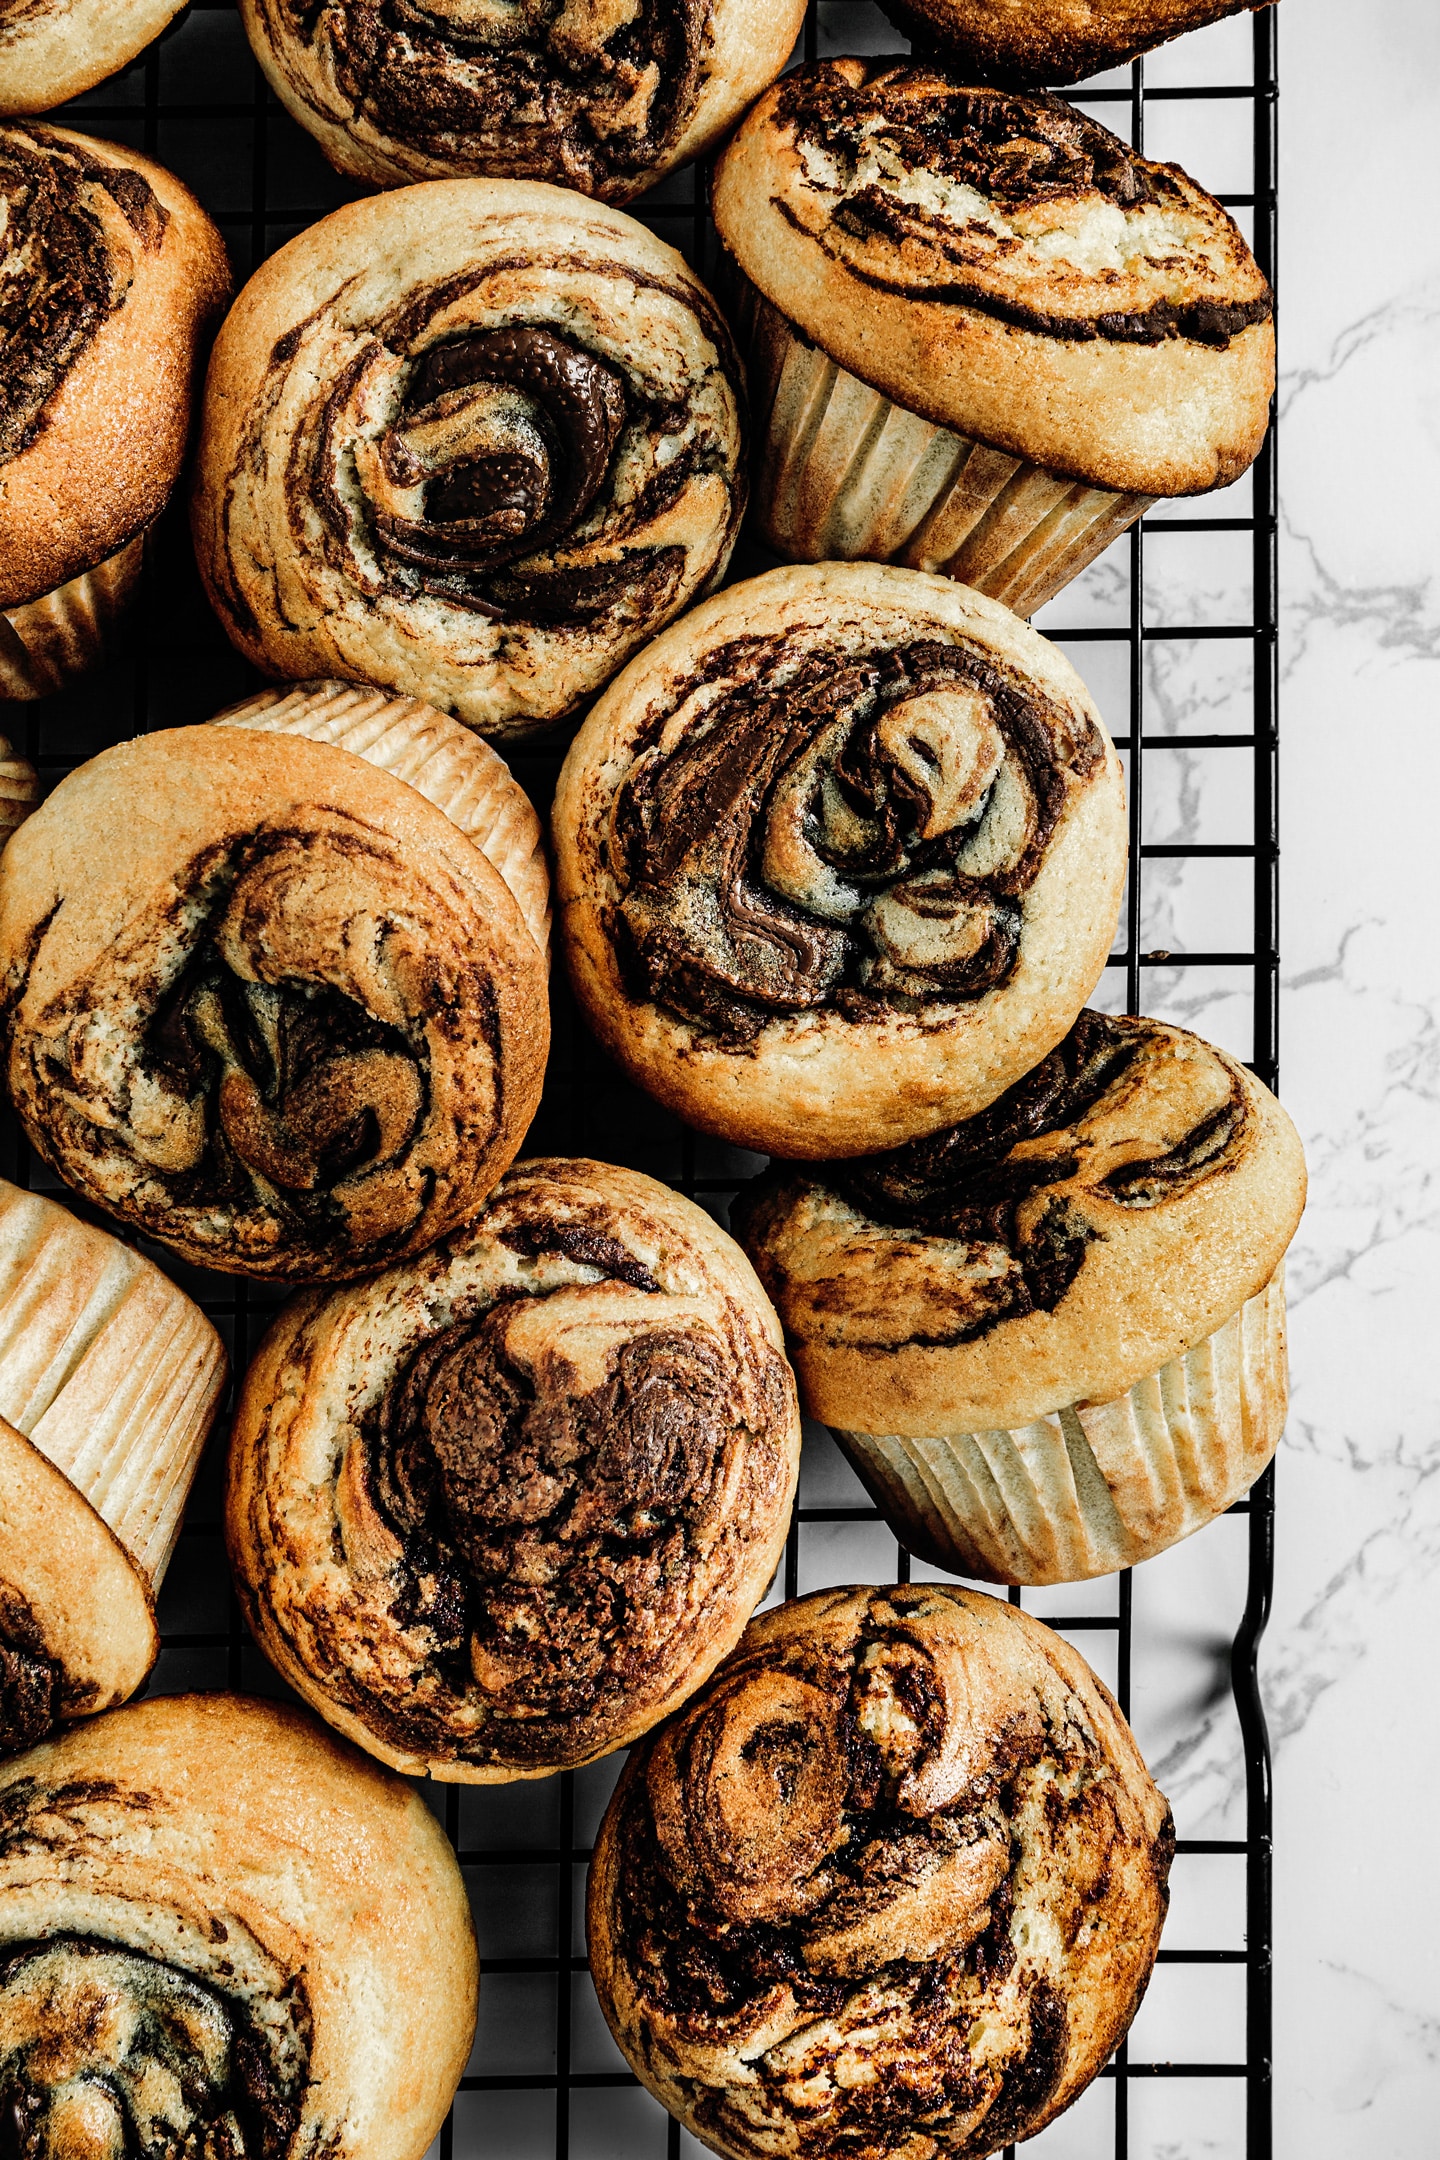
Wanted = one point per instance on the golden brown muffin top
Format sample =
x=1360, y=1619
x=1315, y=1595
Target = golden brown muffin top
x=1109, y=1211
x=496, y=1511
x=891, y=1884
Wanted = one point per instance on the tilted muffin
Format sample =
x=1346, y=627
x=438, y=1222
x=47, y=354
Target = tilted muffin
x=111, y=277
x=984, y=333
x=599, y=97
x=475, y=441
x=51, y=50
x=838, y=858
x=890, y=1887
x=109, y=1382
x=266, y=1003
x=451, y=768
x=499, y=1510
x=1033, y=42
x=222, y=1932
x=1051, y=1339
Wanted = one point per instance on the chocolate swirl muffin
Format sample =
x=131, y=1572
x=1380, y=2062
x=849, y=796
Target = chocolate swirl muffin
x=838, y=858
x=498, y=1511
x=1052, y=1338
x=222, y=1933
x=110, y=278
x=891, y=1886
x=51, y=50
x=266, y=1003
x=1032, y=42
x=475, y=441
x=985, y=333
x=601, y=97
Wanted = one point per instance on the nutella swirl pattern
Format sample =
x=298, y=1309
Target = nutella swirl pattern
x=838, y=858
x=71, y=228
x=855, y=830
x=890, y=1885
x=559, y=1479
x=107, y=2052
x=224, y=1937
x=313, y=1039
x=484, y=478
x=1022, y=208
x=585, y=92
x=1110, y=1115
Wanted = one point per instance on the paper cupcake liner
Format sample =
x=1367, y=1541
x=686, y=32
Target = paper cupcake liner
x=1099, y=1486
x=844, y=474
x=19, y=790
x=107, y=1368
x=443, y=760
x=48, y=642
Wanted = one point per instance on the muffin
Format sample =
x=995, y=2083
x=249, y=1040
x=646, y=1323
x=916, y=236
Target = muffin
x=496, y=1512
x=475, y=442
x=109, y=1382
x=892, y=1885
x=51, y=50
x=984, y=334
x=451, y=768
x=1032, y=42
x=1051, y=1339
x=221, y=1932
x=266, y=1003
x=838, y=858
x=111, y=277
x=603, y=98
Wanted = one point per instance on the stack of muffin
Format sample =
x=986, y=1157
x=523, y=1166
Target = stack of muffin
x=838, y=855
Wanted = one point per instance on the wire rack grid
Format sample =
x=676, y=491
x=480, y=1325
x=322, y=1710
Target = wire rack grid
x=1175, y=630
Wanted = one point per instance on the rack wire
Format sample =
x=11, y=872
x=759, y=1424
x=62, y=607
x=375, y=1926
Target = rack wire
x=1175, y=628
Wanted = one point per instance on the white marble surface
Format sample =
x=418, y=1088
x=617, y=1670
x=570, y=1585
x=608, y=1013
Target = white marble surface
x=1350, y=1667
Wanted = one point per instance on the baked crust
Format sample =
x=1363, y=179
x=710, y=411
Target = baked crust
x=1112, y=1211
x=266, y=1003
x=683, y=868
x=1032, y=42
x=1007, y=268
x=498, y=1511
x=603, y=98
x=376, y=390
x=892, y=1883
x=122, y=264
x=209, y=1903
x=77, y=1620
x=452, y=768
x=51, y=50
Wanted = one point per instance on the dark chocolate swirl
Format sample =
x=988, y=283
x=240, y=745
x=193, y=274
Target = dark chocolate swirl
x=30, y=1685
x=107, y=2054
x=1123, y=1112
x=506, y=439
x=69, y=230
x=855, y=831
x=1022, y=207
x=311, y=1046
x=483, y=473
x=560, y=1472
x=841, y=1894
x=583, y=92
x=558, y=1480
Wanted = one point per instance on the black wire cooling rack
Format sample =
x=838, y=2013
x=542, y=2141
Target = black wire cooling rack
x=1175, y=631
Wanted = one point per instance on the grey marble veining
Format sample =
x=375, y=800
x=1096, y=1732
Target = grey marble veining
x=1351, y=1663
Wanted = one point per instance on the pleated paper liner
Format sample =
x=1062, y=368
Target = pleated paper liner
x=1099, y=1486
x=846, y=475
x=50, y=642
x=443, y=760
x=107, y=1368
